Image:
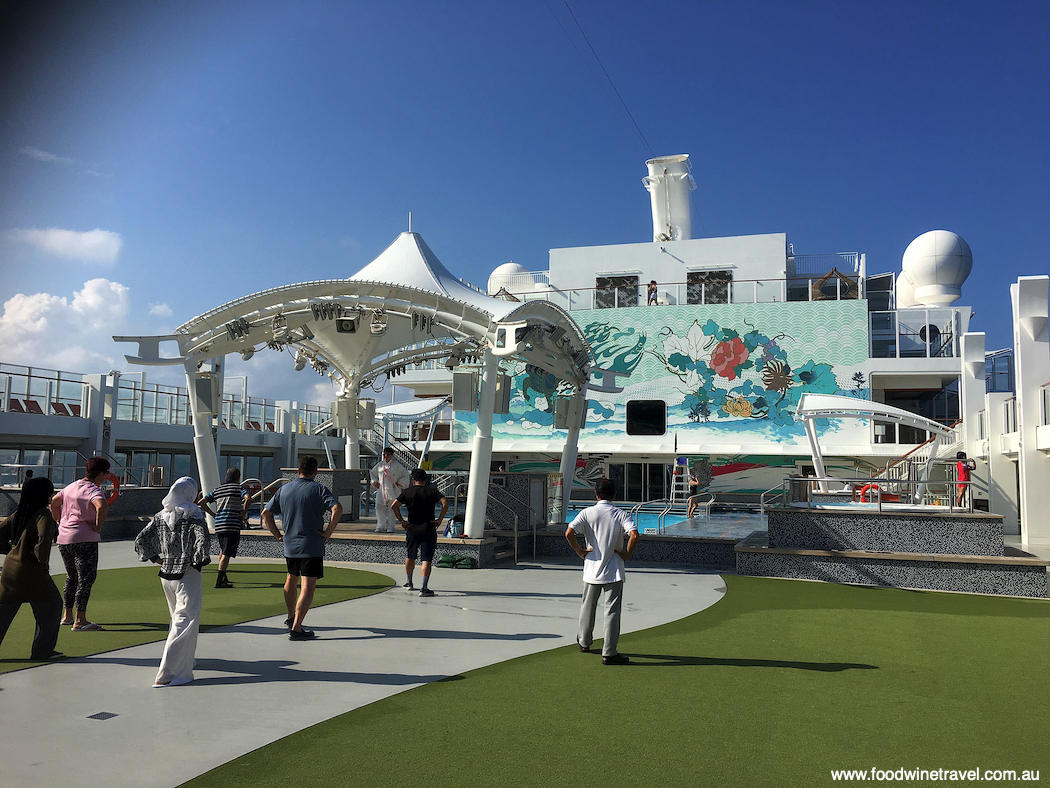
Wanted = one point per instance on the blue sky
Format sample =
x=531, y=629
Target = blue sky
x=221, y=148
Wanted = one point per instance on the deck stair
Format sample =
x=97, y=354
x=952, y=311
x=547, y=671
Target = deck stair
x=405, y=457
x=914, y=464
x=504, y=548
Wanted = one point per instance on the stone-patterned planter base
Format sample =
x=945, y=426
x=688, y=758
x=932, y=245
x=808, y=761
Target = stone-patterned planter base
x=710, y=553
x=1021, y=575
x=370, y=548
x=836, y=528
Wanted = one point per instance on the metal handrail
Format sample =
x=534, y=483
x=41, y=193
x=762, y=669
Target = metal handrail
x=508, y=508
x=455, y=512
x=663, y=505
x=259, y=495
x=779, y=490
x=532, y=511
x=852, y=485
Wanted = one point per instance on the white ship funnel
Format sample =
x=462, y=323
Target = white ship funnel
x=669, y=184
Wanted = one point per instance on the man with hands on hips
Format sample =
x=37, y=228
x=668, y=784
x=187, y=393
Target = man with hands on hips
x=603, y=527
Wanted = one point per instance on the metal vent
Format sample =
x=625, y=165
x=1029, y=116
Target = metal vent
x=102, y=715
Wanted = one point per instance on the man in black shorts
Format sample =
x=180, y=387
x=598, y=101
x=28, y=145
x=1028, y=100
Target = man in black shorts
x=302, y=504
x=420, y=500
x=231, y=510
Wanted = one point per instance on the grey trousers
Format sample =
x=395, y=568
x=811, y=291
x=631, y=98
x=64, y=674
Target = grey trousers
x=613, y=600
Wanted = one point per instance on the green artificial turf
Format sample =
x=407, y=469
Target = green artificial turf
x=775, y=685
x=130, y=604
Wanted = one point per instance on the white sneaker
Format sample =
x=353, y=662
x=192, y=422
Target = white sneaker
x=379, y=530
x=390, y=530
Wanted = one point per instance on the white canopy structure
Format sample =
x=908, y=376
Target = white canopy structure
x=414, y=409
x=830, y=406
x=402, y=308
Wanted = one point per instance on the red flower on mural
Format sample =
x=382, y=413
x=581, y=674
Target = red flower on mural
x=728, y=356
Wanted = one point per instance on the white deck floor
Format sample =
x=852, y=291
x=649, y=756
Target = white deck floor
x=254, y=686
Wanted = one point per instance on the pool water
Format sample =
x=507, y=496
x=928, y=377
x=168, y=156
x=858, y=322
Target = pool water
x=720, y=525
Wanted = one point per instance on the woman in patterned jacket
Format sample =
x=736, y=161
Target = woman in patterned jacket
x=177, y=538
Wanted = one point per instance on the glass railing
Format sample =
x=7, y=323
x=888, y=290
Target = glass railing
x=151, y=403
x=913, y=333
x=42, y=391
x=742, y=291
x=1010, y=416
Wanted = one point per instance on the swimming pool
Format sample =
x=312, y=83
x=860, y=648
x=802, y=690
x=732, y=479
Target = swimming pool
x=720, y=525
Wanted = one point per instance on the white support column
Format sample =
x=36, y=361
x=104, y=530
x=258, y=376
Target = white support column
x=288, y=455
x=971, y=401
x=814, y=449
x=430, y=436
x=971, y=387
x=110, y=395
x=352, y=447
x=567, y=468
x=203, y=443
x=1002, y=471
x=1030, y=297
x=218, y=371
x=481, y=454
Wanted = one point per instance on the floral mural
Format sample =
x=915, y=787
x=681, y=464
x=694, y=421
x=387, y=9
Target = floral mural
x=738, y=367
x=739, y=372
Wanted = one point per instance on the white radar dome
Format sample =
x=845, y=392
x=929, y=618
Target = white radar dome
x=512, y=276
x=905, y=292
x=936, y=264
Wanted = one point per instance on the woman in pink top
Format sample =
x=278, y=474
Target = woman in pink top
x=80, y=509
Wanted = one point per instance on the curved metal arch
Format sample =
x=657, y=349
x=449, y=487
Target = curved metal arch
x=304, y=316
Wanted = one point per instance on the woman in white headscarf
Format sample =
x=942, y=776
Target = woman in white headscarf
x=177, y=538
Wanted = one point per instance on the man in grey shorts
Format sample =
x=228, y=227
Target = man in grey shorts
x=302, y=504
x=603, y=527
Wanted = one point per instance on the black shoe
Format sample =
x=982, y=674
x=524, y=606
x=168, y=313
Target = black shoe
x=288, y=622
x=426, y=592
x=223, y=584
x=616, y=659
x=302, y=634
x=409, y=587
x=52, y=655
x=583, y=649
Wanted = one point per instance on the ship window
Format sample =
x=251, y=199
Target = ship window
x=646, y=417
x=708, y=287
x=879, y=292
x=615, y=291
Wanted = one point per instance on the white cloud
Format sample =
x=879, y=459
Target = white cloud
x=45, y=330
x=93, y=246
x=43, y=155
x=160, y=310
x=321, y=393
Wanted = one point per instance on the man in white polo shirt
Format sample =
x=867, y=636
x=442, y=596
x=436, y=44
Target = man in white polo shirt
x=603, y=527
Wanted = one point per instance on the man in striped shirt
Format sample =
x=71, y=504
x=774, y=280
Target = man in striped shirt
x=231, y=510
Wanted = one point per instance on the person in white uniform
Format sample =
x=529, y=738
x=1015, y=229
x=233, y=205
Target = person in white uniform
x=388, y=479
x=603, y=527
x=177, y=538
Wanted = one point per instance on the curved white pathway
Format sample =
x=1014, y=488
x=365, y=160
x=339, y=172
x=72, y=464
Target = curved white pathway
x=254, y=686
